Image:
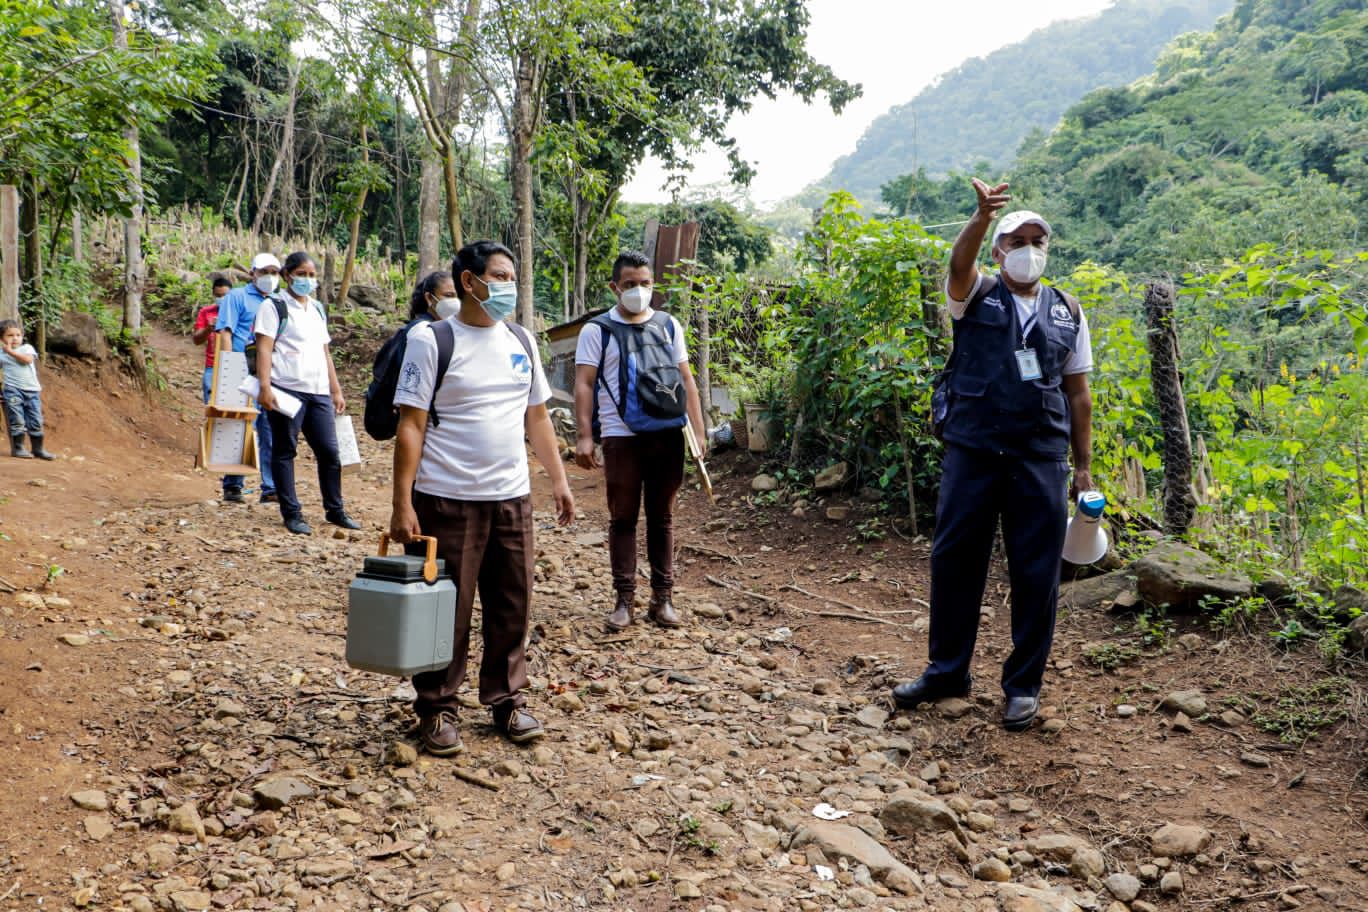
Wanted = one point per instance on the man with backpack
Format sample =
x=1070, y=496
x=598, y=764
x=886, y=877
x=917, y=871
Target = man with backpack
x=634, y=391
x=235, y=328
x=1010, y=406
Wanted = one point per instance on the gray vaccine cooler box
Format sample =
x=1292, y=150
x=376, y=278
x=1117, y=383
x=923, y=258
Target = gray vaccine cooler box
x=401, y=613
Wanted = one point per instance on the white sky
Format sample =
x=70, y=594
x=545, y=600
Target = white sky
x=895, y=48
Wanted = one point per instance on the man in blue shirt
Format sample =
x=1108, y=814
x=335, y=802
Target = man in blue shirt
x=237, y=316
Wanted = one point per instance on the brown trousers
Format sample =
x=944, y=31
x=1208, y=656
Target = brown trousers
x=487, y=547
x=646, y=467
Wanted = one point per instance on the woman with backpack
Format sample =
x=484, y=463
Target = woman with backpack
x=294, y=361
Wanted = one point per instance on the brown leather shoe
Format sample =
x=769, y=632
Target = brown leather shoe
x=441, y=738
x=516, y=724
x=621, y=618
x=662, y=612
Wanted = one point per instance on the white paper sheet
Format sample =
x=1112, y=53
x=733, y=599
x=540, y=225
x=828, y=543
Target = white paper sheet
x=347, y=447
x=285, y=403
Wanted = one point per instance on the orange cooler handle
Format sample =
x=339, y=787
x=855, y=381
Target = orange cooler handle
x=429, y=562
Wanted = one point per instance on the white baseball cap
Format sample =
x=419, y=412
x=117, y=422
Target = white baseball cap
x=1014, y=220
x=263, y=260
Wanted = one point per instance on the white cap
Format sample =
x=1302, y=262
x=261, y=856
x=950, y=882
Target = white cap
x=263, y=260
x=1014, y=220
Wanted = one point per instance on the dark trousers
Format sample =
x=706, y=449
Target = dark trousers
x=1028, y=494
x=316, y=419
x=487, y=547
x=646, y=467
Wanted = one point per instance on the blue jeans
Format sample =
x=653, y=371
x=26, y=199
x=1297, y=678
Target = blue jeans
x=263, y=429
x=316, y=419
x=23, y=411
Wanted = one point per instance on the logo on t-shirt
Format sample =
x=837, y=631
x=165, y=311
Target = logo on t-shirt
x=408, y=379
x=522, y=368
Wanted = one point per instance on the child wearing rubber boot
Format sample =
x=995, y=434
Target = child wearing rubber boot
x=22, y=392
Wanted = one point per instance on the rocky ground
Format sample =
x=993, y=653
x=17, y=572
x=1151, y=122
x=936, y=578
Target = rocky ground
x=180, y=730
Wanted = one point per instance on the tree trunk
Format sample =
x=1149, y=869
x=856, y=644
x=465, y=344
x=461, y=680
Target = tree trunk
x=286, y=144
x=704, y=350
x=1167, y=382
x=523, y=130
x=354, y=229
x=9, y=252
x=453, y=198
x=133, y=259
x=32, y=276
x=429, y=212
x=77, y=238
x=329, y=275
x=398, y=193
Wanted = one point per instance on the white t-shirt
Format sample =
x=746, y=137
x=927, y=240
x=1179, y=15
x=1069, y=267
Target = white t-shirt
x=1080, y=362
x=477, y=452
x=298, y=361
x=17, y=375
x=587, y=351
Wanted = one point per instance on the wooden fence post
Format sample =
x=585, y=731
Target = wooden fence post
x=9, y=252
x=1167, y=382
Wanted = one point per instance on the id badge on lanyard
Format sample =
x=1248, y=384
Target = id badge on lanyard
x=1028, y=364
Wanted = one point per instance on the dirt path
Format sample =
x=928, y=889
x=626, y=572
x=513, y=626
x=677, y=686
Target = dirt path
x=232, y=760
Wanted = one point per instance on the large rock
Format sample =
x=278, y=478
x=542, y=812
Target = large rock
x=371, y=297
x=278, y=791
x=1356, y=639
x=1175, y=840
x=1097, y=592
x=911, y=812
x=1350, y=601
x=78, y=333
x=1082, y=858
x=838, y=840
x=1180, y=576
x=1016, y=898
x=832, y=478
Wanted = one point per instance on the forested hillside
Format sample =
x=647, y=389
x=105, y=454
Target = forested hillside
x=982, y=110
x=1255, y=132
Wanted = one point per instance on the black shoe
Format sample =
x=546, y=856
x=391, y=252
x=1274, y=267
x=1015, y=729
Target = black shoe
x=17, y=449
x=298, y=526
x=270, y=498
x=38, y=452
x=911, y=694
x=1019, y=713
x=232, y=495
x=340, y=518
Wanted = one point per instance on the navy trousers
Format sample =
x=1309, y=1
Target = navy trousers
x=1028, y=494
x=316, y=419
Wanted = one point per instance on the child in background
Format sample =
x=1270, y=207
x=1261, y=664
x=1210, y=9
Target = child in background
x=22, y=392
x=204, y=331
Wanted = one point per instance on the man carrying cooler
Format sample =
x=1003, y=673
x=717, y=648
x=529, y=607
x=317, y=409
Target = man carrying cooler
x=639, y=406
x=1012, y=403
x=237, y=316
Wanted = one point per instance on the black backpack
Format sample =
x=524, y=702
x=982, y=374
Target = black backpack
x=381, y=418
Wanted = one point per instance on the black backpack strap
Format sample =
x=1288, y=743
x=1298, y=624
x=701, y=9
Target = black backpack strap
x=605, y=325
x=446, y=345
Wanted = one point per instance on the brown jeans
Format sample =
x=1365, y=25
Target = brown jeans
x=487, y=547
x=651, y=467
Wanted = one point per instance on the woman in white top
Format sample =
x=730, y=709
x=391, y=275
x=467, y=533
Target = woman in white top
x=294, y=361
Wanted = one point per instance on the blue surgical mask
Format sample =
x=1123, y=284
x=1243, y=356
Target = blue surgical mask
x=303, y=286
x=502, y=300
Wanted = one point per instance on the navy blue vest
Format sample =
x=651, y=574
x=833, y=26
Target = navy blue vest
x=991, y=407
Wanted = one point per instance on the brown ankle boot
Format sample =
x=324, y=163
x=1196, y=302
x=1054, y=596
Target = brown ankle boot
x=661, y=610
x=621, y=618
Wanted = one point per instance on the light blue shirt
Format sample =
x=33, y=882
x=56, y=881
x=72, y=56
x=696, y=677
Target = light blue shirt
x=17, y=375
x=237, y=312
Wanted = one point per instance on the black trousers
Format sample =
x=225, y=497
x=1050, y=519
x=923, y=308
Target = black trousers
x=317, y=420
x=1029, y=496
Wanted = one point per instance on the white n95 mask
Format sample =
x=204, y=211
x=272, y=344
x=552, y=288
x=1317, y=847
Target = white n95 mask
x=1025, y=264
x=635, y=300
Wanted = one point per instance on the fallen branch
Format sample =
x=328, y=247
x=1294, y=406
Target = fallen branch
x=710, y=552
x=9, y=587
x=475, y=779
x=786, y=606
x=822, y=598
x=6, y=895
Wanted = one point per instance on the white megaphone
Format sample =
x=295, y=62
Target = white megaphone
x=1085, y=541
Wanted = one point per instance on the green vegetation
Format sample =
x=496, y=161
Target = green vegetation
x=1297, y=713
x=984, y=109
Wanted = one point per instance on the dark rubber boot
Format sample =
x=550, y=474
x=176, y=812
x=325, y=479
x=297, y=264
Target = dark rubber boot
x=17, y=448
x=37, y=441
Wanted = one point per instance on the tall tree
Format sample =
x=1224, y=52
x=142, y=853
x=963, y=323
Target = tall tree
x=134, y=271
x=702, y=62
